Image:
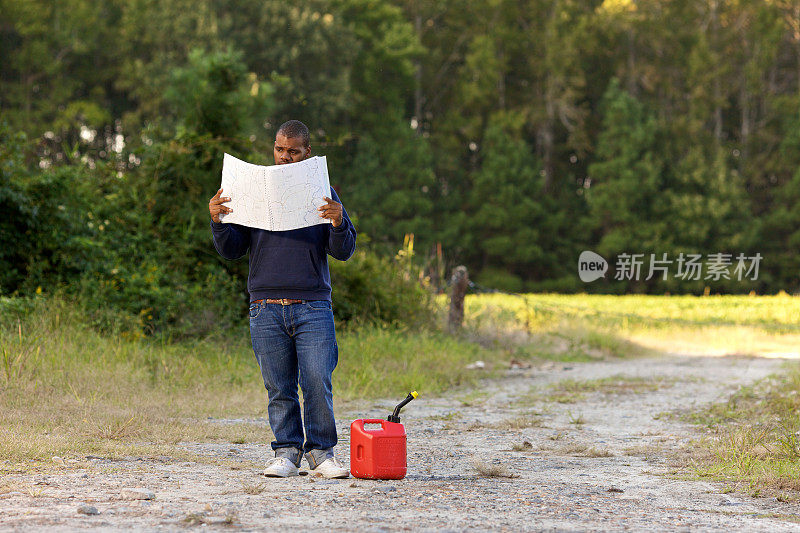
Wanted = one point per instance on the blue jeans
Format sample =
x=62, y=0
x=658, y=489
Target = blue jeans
x=296, y=344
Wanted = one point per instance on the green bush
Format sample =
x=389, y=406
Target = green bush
x=13, y=310
x=369, y=288
x=14, y=204
x=135, y=253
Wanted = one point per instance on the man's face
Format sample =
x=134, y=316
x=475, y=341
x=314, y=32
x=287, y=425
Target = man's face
x=289, y=149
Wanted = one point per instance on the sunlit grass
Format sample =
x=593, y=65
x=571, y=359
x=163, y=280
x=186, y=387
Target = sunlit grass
x=572, y=391
x=771, y=313
x=636, y=324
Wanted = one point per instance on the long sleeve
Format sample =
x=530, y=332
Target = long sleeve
x=341, y=240
x=231, y=240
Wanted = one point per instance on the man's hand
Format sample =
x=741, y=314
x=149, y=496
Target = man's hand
x=332, y=210
x=216, y=208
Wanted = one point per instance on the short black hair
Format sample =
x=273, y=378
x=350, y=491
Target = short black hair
x=294, y=129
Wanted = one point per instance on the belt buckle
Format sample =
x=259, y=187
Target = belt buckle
x=285, y=301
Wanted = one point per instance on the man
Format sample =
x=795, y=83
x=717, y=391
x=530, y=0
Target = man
x=291, y=320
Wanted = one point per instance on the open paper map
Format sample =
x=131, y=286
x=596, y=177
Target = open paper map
x=278, y=197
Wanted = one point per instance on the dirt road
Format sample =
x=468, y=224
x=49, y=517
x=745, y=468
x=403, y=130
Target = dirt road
x=582, y=455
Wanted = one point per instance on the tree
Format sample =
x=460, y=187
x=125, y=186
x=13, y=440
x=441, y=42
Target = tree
x=215, y=95
x=626, y=179
x=389, y=185
x=508, y=227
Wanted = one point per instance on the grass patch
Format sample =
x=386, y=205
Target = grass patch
x=253, y=488
x=194, y=519
x=452, y=415
x=486, y=469
x=473, y=397
x=571, y=449
x=645, y=451
x=525, y=446
x=572, y=391
x=577, y=420
x=753, y=439
x=380, y=361
x=578, y=450
x=530, y=420
x=598, y=452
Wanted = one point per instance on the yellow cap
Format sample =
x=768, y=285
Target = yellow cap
x=414, y=394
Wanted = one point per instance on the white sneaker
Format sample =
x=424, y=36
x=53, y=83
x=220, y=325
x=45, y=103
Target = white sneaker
x=281, y=467
x=330, y=468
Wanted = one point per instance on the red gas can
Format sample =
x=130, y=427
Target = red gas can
x=377, y=453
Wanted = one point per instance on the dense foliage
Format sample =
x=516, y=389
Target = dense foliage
x=507, y=136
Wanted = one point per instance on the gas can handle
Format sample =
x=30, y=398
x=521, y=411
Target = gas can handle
x=365, y=421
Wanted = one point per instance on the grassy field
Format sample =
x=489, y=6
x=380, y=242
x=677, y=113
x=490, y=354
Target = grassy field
x=715, y=325
x=67, y=391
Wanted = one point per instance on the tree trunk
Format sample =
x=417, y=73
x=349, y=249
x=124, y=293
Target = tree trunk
x=546, y=143
x=501, y=82
x=460, y=282
x=418, y=78
x=746, y=124
x=717, y=84
x=631, y=78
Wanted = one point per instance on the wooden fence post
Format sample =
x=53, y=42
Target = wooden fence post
x=460, y=282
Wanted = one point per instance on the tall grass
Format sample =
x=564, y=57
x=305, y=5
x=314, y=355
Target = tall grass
x=388, y=362
x=66, y=389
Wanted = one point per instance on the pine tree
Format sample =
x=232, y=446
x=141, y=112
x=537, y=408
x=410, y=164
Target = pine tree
x=507, y=236
x=389, y=185
x=627, y=177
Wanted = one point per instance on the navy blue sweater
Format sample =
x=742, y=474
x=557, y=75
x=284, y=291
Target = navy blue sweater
x=288, y=264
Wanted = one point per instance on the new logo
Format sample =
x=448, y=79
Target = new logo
x=591, y=266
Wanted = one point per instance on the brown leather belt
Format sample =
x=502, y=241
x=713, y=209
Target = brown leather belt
x=282, y=301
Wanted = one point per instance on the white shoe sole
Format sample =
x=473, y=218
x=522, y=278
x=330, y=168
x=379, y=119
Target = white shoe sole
x=337, y=476
x=275, y=474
